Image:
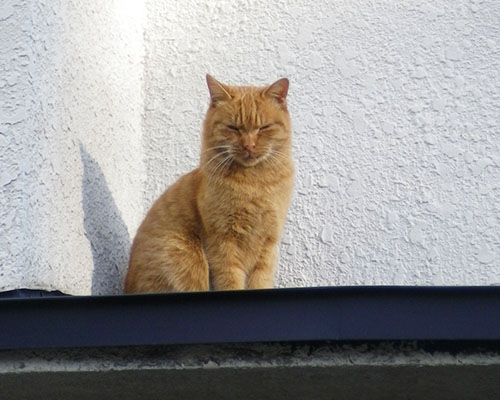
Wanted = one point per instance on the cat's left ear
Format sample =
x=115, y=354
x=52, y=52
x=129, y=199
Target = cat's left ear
x=278, y=90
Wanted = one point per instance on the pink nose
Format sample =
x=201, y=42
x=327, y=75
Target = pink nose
x=250, y=147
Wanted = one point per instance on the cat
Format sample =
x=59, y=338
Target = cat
x=218, y=226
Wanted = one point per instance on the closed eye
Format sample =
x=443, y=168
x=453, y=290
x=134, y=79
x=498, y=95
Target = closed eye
x=233, y=128
x=265, y=128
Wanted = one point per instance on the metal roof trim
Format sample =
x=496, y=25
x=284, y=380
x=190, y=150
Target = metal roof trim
x=366, y=313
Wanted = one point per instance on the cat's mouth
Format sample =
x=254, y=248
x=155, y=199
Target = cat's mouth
x=250, y=159
x=248, y=155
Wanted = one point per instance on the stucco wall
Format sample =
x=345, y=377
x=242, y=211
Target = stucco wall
x=70, y=135
x=396, y=120
x=395, y=108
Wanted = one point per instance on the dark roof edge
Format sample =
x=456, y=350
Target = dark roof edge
x=23, y=293
x=366, y=313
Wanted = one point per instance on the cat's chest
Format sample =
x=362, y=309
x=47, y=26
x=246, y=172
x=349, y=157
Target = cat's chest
x=240, y=212
x=246, y=208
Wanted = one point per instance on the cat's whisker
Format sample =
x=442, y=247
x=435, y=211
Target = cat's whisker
x=274, y=162
x=226, y=164
x=220, y=166
x=282, y=160
x=278, y=162
x=227, y=160
x=205, y=165
x=281, y=154
x=277, y=159
x=223, y=146
x=219, y=154
x=217, y=165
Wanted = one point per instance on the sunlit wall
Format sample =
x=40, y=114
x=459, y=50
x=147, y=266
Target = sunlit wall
x=71, y=169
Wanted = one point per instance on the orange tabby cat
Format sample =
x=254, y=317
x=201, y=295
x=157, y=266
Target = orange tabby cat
x=219, y=225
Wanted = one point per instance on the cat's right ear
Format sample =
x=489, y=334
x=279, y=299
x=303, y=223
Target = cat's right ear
x=218, y=91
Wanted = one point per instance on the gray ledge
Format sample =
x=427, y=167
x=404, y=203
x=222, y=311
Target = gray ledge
x=320, y=370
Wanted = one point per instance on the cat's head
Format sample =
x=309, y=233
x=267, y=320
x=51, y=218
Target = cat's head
x=246, y=125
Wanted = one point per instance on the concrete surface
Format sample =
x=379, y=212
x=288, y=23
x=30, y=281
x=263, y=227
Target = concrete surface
x=258, y=371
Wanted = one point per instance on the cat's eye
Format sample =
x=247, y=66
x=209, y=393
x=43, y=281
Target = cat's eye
x=264, y=128
x=233, y=128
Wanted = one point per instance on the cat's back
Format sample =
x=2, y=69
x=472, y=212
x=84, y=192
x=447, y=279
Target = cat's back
x=174, y=214
x=175, y=207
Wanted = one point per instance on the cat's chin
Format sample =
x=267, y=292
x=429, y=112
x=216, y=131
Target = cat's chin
x=248, y=162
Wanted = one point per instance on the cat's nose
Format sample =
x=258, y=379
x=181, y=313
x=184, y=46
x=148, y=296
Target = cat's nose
x=249, y=146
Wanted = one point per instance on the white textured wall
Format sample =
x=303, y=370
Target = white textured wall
x=70, y=137
x=395, y=106
x=396, y=121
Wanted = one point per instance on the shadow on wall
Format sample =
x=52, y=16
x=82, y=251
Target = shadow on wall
x=104, y=227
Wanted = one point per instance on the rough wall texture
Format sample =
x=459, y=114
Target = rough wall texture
x=396, y=121
x=71, y=158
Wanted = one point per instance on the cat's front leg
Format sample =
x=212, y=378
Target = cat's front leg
x=262, y=275
x=229, y=277
x=226, y=269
